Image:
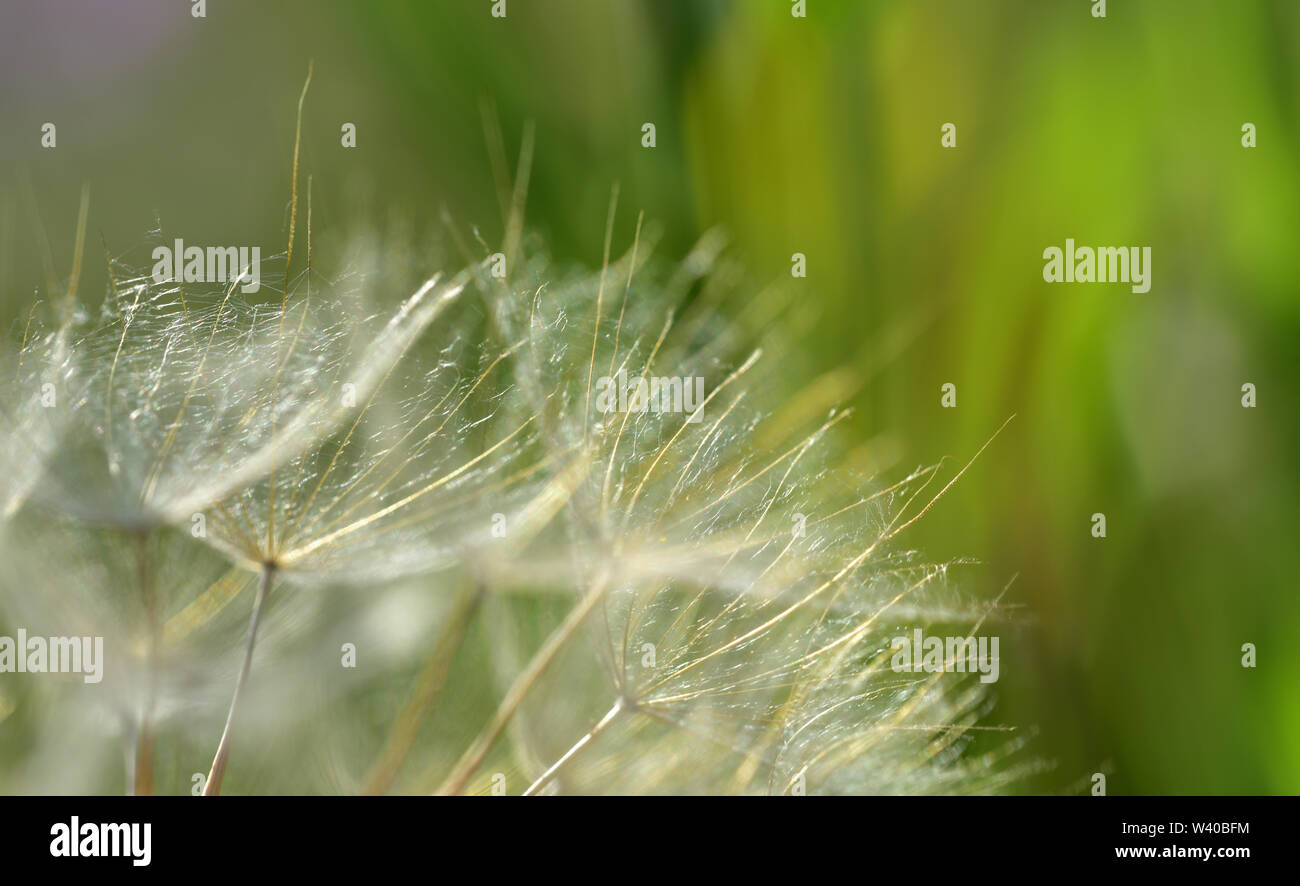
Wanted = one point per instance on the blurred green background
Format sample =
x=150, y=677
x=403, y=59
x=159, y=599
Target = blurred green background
x=821, y=135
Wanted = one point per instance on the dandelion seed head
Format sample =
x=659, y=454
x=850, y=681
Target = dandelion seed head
x=623, y=463
x=746, y=592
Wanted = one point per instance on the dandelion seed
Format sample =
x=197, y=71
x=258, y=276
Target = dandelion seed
x=677, y=541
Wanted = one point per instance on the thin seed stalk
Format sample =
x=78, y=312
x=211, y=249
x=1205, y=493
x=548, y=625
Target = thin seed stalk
x=424, y=693
x=545, y=778
x=474, y=755
x=142, y=783
x=212, y=787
